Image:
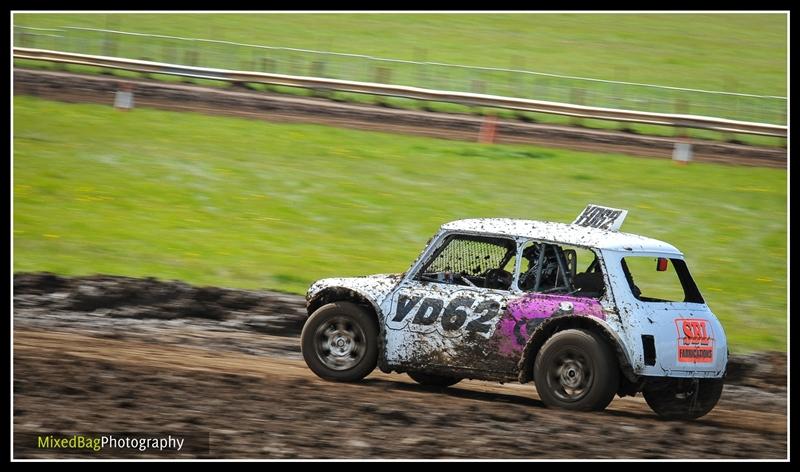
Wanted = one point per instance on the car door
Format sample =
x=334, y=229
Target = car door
x=437, y=320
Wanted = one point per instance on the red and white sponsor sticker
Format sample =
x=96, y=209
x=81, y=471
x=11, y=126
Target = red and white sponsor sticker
x=695, y=341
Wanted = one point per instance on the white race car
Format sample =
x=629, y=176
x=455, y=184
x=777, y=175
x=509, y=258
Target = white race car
x=583, y=310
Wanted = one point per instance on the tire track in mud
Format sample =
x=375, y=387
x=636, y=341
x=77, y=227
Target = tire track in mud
x=275, y=408
x=193, y=359
x=92, y=371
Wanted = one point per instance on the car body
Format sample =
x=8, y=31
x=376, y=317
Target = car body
x=505, y=300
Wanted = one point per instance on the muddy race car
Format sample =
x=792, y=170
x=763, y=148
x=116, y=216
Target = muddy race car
x=584, y=311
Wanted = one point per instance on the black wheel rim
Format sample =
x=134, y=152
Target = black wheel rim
x=570, y=375
x=688, y=393
x=340, y=343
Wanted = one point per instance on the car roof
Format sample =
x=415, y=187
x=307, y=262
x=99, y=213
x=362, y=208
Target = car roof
x=571, y=234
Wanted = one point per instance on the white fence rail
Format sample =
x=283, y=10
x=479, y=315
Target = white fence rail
x=472, y=99
x=516, y=80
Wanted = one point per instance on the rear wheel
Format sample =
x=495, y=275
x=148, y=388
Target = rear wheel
x=683, y=399
x=433, y=380
x=576, y=370
x=340, y=342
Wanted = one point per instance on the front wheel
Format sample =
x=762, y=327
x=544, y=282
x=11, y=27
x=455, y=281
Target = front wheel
x=340, y=342
x=683, y=399
x=433, y=380
x=576, y=370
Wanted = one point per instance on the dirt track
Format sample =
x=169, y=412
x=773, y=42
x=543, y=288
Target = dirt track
x=240, y=101
x=120, y=354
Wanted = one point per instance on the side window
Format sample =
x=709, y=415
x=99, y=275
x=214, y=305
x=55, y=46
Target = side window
x=588, y=279
x=653, y=279
x=560, y=269
x=473, y=261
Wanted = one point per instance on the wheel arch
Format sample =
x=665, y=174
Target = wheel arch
x=559, y=323
x=345, y=294
x=341, y=294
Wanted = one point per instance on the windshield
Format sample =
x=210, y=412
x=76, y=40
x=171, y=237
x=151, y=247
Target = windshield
x=658, y=279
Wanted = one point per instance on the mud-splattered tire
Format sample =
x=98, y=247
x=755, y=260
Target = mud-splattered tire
x=683, y=399
x=340, y=342
x=433, y=380
x=576, y=370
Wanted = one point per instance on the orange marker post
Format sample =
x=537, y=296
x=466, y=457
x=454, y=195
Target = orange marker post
x=488, y=129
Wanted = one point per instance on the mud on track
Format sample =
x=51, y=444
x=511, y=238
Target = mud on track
x=123, y=354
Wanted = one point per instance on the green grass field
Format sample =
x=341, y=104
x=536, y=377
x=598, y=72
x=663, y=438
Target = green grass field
x=732, y=52
x=688, y=50
x=251, y=204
